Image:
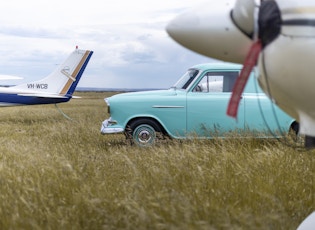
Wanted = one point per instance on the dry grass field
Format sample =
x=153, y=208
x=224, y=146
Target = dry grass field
x=57, y=173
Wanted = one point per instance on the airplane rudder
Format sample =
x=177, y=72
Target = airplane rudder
x=79, y=71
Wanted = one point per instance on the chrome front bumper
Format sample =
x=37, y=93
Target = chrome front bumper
x=109, y=126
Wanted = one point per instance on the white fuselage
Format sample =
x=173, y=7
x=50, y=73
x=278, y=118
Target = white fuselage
x=287, y=65
x=57, y=87
x=287, y=69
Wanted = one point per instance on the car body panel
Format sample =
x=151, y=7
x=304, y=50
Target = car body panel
x=169, y=110
x=200, y=109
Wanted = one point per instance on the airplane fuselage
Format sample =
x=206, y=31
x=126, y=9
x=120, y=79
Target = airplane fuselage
x=17, y=100
x=57, y=87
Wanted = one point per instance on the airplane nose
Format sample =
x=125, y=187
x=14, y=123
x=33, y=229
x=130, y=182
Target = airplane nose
x=184, y=27
x=209, y=30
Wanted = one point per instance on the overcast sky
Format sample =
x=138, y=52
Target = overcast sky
x=128, y=37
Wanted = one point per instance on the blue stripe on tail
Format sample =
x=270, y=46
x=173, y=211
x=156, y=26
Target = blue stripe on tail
x=75, y=83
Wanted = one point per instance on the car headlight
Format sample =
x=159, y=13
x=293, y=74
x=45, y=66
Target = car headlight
x=107, y=101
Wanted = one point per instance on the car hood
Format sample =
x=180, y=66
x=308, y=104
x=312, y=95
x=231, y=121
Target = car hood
x=143, y=94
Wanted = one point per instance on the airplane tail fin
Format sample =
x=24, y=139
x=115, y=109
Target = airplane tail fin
x=63, y=81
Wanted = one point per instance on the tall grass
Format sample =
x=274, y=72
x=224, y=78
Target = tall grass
x=57, y=173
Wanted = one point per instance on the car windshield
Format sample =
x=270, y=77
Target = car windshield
x=186, y=79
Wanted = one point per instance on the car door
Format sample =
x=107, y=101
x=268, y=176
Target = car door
x=207, y=103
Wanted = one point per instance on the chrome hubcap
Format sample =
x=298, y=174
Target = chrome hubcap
x=144, y=136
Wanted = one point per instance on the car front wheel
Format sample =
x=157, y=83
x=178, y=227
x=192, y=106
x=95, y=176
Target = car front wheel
x=143, y=132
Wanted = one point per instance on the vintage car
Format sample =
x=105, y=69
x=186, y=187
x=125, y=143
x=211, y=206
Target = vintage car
x=196, y=107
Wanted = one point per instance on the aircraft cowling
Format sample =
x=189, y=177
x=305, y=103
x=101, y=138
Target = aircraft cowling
x=286, y=63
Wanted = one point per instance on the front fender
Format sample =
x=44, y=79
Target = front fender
x=172, y=132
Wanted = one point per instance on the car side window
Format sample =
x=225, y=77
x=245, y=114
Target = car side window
x=215, y=82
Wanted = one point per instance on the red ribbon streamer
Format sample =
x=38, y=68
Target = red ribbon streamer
x=238, y=88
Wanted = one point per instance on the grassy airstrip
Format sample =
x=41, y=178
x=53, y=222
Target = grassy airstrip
x=57, y=173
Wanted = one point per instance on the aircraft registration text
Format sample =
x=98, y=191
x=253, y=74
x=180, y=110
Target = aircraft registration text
x=37, y=86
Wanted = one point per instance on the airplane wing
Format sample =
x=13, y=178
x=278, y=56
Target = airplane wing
x=9, y=77
x=46, y=95
x=42, y=95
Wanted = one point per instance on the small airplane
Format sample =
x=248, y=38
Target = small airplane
x=276, y=35
x=57, y=87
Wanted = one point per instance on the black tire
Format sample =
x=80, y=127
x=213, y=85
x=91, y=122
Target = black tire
x=295, y=127
x=143, y=132
x=294, y=131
